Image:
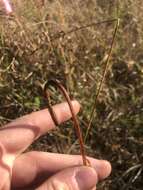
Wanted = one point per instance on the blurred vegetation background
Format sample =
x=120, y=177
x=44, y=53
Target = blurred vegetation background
x=34, y=49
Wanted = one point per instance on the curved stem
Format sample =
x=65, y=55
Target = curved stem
x=56, y=83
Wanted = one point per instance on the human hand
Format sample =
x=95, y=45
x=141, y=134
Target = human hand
x=41, y=170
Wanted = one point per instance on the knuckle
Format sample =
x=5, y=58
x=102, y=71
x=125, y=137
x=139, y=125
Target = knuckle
x=57, y=185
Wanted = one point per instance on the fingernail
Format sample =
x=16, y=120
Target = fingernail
x=86, y=178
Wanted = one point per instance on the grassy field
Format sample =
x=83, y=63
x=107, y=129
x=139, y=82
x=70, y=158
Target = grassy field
x=35, y=46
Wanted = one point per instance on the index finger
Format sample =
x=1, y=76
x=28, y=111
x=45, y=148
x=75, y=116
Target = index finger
x=19, y=134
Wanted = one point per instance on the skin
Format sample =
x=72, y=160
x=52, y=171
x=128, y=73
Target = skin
x=41, y=170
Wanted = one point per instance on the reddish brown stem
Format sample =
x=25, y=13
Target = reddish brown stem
x=56, y=83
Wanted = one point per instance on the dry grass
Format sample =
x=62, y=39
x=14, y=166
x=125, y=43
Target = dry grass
x=30, y=54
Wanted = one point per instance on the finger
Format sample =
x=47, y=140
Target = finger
x=19, y=134
x=38, y=166
x=77, y=178
x=43, y=119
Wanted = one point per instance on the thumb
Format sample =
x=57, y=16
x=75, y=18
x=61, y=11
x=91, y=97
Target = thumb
x=77, y=178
